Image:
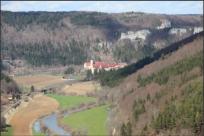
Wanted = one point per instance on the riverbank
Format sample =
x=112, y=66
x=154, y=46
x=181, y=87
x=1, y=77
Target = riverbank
x=80, y=107
x=88, y=121
x=23, y=119
x=66, y=105
x=81, y=115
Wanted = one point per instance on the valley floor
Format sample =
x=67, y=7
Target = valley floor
x=81, y=107
x=22, y=121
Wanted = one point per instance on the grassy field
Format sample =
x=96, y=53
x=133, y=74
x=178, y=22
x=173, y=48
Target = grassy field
x=92, y=120
x=82, y=88
x=71, y=101
x=39, y=81
x=8, y=133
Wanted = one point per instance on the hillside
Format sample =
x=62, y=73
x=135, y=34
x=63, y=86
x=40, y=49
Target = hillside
x=9, y=88
x=162, y=98
x=63, y=38
x=113, y=78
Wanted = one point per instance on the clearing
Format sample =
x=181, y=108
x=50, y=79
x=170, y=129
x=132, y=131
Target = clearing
x=22, y=120
x=38, y=81
x=81, y=88
x=92, y=121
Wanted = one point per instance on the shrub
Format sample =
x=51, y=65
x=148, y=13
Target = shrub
x=69, y=70
x=138, y=108
x=126, y=129
x=148, y=97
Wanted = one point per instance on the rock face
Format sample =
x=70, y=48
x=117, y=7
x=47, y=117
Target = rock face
x=105, y=44
x=158, y=44
x=197, y=30
x=142, y=34
x=178, y=31
x=164, y=24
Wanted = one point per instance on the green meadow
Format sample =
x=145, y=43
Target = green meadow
x=9, y=132
x=92, y=120
x=71, y=101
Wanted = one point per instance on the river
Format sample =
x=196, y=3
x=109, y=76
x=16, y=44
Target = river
x=51, y=123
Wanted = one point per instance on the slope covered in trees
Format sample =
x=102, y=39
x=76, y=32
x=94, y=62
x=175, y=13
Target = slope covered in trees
x=50, y=35
x=10, y=85
x=112, y=78
x=47, y=53
x=164, y=97
x=185, y=112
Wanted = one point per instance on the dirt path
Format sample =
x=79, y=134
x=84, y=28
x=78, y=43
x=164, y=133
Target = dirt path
x=22, y=120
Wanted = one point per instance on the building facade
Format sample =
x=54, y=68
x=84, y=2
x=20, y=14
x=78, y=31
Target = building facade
x=98, y=65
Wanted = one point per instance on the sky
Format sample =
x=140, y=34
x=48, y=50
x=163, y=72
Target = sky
x=164, y=7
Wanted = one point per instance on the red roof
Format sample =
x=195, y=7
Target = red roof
x=100, y=64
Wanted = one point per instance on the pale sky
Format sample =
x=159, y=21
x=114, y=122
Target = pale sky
x=166, y=7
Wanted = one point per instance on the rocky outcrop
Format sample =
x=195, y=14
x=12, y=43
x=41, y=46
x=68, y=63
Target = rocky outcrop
x=197, y=30
x=142, y=34
x=164, y=24
x=178, y=31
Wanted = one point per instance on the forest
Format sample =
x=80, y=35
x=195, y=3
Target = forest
x=183, y=66
x=47, y=53
x=183, y=113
